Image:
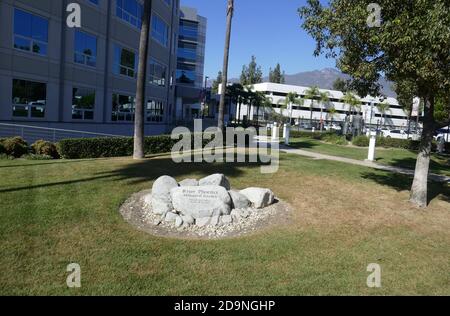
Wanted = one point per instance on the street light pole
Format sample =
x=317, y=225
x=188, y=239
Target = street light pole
x=204, y=97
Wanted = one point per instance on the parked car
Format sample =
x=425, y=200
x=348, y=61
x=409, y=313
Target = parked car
x=332, y=127
x=443, y=132
x=400, y=134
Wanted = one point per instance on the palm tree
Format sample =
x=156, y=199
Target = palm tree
x=234, y=92
x=288, y=103
x=230, y=11
x=352, y=101
x=332, y=113
x=324, y=98
x=311, y=94
x=383, y=108
x=138, y=152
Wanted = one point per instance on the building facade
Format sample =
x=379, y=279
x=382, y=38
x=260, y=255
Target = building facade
x=84, y=78
x=190, y=64
x=395, y=116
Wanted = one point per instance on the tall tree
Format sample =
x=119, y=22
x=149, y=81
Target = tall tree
x=138, y=152
x=324, y=98
x=383, y=108
x=276, y=75
x=351, y=101
x=226, y=54
x=340, y=85
x=252, y=73
x=216, y=83
x=411, y=42
x=312, y=94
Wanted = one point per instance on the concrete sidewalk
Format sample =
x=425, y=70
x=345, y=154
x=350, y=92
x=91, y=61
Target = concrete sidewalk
x=314, y=155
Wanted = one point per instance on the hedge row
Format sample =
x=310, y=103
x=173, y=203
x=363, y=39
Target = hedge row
x=85, y=148
x=363, y=141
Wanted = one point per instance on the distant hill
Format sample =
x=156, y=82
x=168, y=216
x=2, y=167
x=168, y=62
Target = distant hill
x=324, y=79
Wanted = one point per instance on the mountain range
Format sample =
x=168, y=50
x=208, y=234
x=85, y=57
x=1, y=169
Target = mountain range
x=324, y=79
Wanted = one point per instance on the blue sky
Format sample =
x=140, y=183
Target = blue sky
x=268, y=29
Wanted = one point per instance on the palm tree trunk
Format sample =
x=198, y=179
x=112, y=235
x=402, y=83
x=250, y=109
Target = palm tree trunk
x=230, y=10
x=239, y=113
x=141, y=83
x=321, y=118
x=311, y=116
x=419, y=190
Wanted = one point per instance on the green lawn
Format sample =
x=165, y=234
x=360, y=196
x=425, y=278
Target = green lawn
x=388, y=156
x=344, y=217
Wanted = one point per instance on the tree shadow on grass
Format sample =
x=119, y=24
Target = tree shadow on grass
x=410, y=163
x=149, y=170
x=303, y=144
x=401, y=182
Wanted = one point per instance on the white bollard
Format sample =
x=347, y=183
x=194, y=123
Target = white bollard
x=275, y=132
x=372, y=146
x=286, y=133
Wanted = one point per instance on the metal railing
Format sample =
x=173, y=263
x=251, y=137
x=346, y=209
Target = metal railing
x=34, y=133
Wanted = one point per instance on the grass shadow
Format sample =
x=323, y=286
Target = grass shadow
x=401, y=182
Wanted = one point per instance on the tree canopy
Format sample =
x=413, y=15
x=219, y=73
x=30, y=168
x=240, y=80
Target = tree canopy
x=252, y=73
x=277, y=75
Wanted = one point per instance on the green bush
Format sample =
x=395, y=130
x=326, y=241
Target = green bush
x=45, y=148
x=37, y=157
x=361, y=141
x=2, y=149
x=86, y=148
x=15, y=147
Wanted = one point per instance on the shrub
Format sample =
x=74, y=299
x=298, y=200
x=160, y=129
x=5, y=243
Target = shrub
x=15, y=146
x=86, y=148
x=361, y=141
x=42, y=147
x=2, y=149
x=37, y=157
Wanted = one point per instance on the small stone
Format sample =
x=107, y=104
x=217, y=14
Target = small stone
x=189, y=183
x=178, y=221
x=202, y=222
x=171, y=217
x=245, y=213
x=236, y=215
x=214, y=221
x=188, y=219
x=259, y=197
x=226, y=220
x=217, y=180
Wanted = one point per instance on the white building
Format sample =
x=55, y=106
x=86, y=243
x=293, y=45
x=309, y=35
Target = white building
x=394, y=117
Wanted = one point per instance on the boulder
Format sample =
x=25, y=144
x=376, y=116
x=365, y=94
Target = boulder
x=161, y=206
x=225, y=220
x=239, y=200
x=188, y=220
x=189, y=183
x=162, y=186
x=202, y=222
x=171, y=217
x=216, y=179
x=214, y=221
x=259, y=197
x=178, y=221
x=201, y=201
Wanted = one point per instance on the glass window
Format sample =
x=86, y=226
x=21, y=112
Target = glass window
x=130, y=11
x=85, y=49
x=157, y=73
x=125, y=62
x=160, y=30
x=83, y=104
x=123, y=107
x=30, y=32
x=187, y=52
x=29, y=98
x=186, y=74
x=188, y=30
x=155, y=111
